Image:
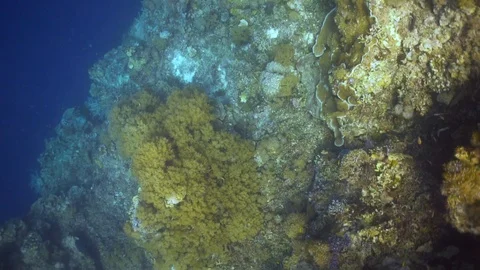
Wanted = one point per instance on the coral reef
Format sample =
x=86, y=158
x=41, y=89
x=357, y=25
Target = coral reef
x=198, y=187
x=462, y=187
x=86, y=191
x=393, y=59
x=305, y=149
x=383, y=192
x=67, y=158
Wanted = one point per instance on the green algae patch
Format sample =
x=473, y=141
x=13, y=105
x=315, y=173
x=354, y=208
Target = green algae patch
x=241, y=35
x=353, y=21
x=287, y=85
x=284, y=54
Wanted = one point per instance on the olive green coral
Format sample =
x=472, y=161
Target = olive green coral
x=353, y=20
x=241, y=35
x=462, y=187
x=295, y=225
x=128, y=123
x=198, y=187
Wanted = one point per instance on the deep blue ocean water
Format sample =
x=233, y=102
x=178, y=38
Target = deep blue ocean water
x=46, y=50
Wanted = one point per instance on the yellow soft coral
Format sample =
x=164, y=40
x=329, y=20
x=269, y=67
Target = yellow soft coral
x=199, y=186
x=130, y=124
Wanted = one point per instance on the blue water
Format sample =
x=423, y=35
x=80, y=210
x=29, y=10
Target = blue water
x=47, y=48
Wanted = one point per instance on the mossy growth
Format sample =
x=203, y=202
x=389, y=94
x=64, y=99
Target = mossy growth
x=353, y=20
x=241, y=35
x=239, y=3
x=288, y=85
x=294, y=16
x=462, y=187
x=128, y=124
x=384, y=191
x=199, y=186
x=284, y=54
x=390, y=171
x=314, y=252
x=377, y=176
x=320, y=253
x=384, y=235
x=295, y=225
x=468, y=6
x=299, y=253
x=396, y=3
x=160, y=44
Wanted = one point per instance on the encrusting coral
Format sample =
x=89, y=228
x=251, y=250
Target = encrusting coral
x=462, y=187
x=373, y=203
x=199, y=189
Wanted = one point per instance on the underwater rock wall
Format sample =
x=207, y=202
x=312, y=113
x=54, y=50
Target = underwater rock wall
x=320, y=102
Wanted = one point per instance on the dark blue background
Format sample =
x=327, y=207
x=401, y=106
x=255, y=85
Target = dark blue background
x=47, y=48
